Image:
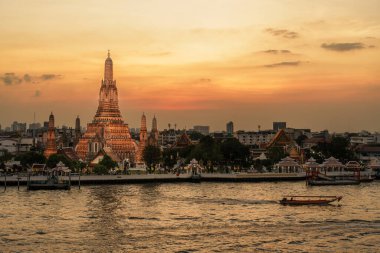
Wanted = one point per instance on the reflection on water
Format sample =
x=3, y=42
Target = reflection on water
x=206, y=217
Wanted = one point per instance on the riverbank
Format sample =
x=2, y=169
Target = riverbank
x=165, y=178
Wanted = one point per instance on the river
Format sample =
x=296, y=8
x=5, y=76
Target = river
x=187, y=217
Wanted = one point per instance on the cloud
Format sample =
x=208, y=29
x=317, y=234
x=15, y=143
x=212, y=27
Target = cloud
x=282, y=33
x=283, y=64
x=274, y=51
x=37, y=93
x=343, y=47
x=10, y=79
x=46, y=77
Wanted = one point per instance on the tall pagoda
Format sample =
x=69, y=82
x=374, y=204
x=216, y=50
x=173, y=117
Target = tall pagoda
x=107, y=129
x=51, y=146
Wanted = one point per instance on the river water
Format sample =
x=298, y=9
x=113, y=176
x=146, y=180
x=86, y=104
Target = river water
x=186, y=217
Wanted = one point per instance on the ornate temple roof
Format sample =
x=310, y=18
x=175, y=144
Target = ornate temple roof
x=353, y=165
x=280, y=139
x=331, y=162
x=183, y=141
x=287, y=162
x=311, y=163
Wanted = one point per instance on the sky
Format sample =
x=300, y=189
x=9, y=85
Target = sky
x=314, y=64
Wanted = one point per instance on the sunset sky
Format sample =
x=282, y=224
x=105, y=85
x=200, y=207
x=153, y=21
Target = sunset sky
x=314, y=64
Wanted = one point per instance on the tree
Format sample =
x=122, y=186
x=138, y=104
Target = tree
x=234, y=152
x=108, y=162
x=28, y=158
x=6, y=156
x=275, y=154
x=54, y=159
x=152, y=156
x=207, y=150
x=78, y=165
x=195, y=136
x=100, y=169
x=300, y=139
x=169, y=157
x=339, y=147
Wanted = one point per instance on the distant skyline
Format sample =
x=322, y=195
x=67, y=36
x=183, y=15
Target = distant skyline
x=313, y=64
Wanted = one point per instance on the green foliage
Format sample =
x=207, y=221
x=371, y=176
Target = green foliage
x=100, y=169
x=56, y=158
x=108, y=162
x=195, y=136
x=234, y=152
x=152, y=156
x=78, y=165
x=300, y=139
x=206, y=150
x=339, y=147
x=6, y=157
x=28, y=158
x=275, y=154
x=169, y=157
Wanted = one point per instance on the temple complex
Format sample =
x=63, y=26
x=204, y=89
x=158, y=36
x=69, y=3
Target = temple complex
x=107, y=129
x=283, y=141
x=51, y=147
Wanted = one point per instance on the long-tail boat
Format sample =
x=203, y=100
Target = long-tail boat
x=309, y=200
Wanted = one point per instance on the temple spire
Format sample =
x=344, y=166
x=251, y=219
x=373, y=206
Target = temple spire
x=108, y=69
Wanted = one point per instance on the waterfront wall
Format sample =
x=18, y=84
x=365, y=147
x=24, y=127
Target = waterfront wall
x=166, y=178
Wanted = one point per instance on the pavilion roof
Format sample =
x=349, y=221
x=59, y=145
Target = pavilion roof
x=311, y=163
x=331, y=162
x=287, y=161
x=183, y=140
x=353, y=165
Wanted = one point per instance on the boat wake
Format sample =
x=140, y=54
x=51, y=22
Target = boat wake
x=228, y=201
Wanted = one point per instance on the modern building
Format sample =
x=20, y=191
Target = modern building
x=107, y=128
x=230, y=128
x=255, y=138
x=279, y=125
x=18, y=127
x=9, y=144
x=368, y=139
x=34, y=126
x=205, y=130
x=366, y=152
x=169, y=136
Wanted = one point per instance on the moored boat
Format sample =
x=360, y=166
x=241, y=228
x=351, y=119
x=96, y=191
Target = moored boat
x=58, y=178
x=309, y=200
x=49, y=184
